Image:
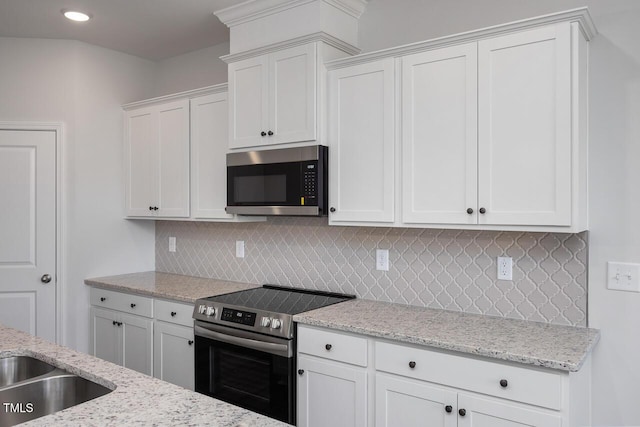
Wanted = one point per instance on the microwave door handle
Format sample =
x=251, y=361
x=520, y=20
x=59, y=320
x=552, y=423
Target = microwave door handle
x=268, y=347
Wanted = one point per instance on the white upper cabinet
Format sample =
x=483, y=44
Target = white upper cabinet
x=272, y=98
x=362, y=135
x=491, y=130
x=524, y=148
x=157, y=160
x=439, y=136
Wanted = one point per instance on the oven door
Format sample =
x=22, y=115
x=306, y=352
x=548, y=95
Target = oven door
x=246, y=369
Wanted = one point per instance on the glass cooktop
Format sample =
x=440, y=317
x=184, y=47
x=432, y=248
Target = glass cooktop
x=280, y=299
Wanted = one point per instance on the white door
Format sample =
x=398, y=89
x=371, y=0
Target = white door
x=173, y=354
x=137, y=337
x=248, y=102
x=439, y=136
x=141, y=162
x=292, y=94
x=524, y=147
x=28, y=231
x=362, y=135
x=406, y=403
x=105, y=335
x=481, y=412
x=331, y=394
x=209, y=141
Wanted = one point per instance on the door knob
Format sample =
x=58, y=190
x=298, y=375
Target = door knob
x=46, y=278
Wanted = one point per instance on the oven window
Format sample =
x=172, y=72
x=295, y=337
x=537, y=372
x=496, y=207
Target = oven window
x=255, y=380
x=260, y=189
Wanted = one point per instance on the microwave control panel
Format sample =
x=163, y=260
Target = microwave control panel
x=310, y=182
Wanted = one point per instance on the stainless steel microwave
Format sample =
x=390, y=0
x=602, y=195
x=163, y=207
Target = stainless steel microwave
x=288, y=181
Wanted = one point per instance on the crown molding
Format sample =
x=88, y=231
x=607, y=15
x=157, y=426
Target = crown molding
x=580, y=16
x=208, y=90
x=255, y=9
x=310, y=38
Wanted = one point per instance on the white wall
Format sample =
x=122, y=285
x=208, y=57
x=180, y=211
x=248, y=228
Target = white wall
x=614, y=156
x=83, y=86
x=192, y=70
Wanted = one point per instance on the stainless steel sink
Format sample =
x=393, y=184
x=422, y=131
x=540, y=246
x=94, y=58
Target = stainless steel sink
x=19, y=368
x=34, y=390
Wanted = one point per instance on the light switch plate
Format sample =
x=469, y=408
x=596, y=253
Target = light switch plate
x=382, y=259
x=505, y=268
x=239, y=248
x=623, y=276
x=172, y=244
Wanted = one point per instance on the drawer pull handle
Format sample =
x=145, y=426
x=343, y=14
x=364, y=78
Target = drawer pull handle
x=448, y=408
x=300, y=371
x=462, y=412
x=504, y=383
x=412, y=364
x=103, y=299
x=173, y=314
x=133, y=305
x=328, y=347
x=190, y=342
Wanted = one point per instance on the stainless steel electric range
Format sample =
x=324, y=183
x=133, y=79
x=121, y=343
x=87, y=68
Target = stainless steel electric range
x=245, y=346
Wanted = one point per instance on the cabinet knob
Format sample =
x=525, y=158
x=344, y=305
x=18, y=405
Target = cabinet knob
x=190, y=342
x=412, y=364
x=155, y=208
x=150, y=208
x=462, y=412
x=482, y=210
x=263, y=133
x=332, y=209
x=448, y=408
x=103, y=299
x=133, y=305
x=328, y=347
x=270, y=133
x=300, y=371
x=115, y=323
x=504, y=383
x=119, y=323
x=469, y=211
x=173, y=314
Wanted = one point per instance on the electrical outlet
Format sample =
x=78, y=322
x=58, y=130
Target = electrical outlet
x=623, y=276
x=172, y=244
x=505, y=268
x=382, y=259
x=239, y=248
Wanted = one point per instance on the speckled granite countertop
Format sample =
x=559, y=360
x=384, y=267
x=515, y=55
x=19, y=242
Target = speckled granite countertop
x=533, y=343
x=170, y=286
x=137, y=399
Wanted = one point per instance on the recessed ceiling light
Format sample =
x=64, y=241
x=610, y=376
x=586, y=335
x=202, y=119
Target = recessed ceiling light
x=74, y=15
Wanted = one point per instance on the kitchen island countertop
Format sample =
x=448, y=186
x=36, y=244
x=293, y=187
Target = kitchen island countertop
x=137, y=398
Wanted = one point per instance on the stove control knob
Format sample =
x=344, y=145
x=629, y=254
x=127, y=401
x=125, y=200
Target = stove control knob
x=202, y=308
x=265, y=322
x=210, y=311
x=276, y=323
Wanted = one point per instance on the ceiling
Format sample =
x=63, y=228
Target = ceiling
x=151, y=29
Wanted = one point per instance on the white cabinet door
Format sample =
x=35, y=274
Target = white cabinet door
x=362, y=135
x=439, y=136
x=331, y=394
x=292, y=94
x=157, y=160
x=486, y=412
x=524, y=147
x=136, y=337
x=248, y=102
x=209, y=139
x=105, y=335
x=173, y=354
x=141, y=162
x=407, y=403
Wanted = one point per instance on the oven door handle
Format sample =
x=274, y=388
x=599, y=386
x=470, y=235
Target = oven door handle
x=268, y=347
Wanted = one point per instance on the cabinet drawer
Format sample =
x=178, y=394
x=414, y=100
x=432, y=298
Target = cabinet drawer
x=129, y=303
x=174, y=312
x=523, y=384
x=332, y=345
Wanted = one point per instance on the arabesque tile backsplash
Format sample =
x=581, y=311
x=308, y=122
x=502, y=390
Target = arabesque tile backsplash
x=448, y=269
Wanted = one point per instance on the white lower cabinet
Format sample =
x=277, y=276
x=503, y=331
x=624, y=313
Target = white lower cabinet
x=351, y=380
x=157, y=340
x=123, y=339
